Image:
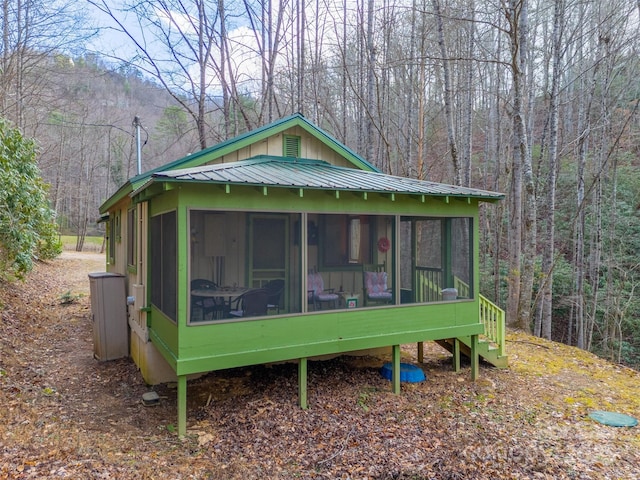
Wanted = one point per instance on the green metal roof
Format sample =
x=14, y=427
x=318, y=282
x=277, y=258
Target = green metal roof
x=286, y=172
x=236, y=143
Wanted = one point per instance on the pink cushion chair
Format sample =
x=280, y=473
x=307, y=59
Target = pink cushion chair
x=375, y=287
x=317, y=294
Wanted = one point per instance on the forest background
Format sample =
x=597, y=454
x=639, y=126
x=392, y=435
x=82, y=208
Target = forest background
x=538, y=99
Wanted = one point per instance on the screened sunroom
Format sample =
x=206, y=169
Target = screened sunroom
x=350, y=262
x=247, y=264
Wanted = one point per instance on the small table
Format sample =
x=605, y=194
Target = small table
x=219, y=292
x=227, y=294
x=351, y=300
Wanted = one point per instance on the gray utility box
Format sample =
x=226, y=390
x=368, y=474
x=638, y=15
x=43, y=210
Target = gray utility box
x=109, y=315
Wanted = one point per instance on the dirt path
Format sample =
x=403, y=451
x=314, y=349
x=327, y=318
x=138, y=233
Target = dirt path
x=65, y=408
x=66, y=415
x=89, y=261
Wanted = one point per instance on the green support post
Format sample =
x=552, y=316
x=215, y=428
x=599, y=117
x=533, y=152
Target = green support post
x=447, y=253
x=182, y=405
x=302, y=383
x=395, y=376
x=456, y=355
x=475, y=358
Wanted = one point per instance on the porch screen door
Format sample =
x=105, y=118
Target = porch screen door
x=268, y=254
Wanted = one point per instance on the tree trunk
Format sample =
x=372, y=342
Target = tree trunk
x=550, y=207
x=523, y=215
x=448, y=96
x=371, y=61
x=585, y=98
x=469, y=92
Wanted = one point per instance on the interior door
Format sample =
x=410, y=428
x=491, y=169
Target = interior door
x=268, y=257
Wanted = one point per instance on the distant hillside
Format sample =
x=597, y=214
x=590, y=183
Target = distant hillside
x=82, y=116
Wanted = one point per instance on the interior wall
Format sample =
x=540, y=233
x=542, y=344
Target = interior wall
x=217, y=240
x=351, y=280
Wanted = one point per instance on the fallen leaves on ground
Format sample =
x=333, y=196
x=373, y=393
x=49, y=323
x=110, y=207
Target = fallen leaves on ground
x=66, y=415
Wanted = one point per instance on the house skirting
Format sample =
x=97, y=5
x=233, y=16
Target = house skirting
x=153, y=367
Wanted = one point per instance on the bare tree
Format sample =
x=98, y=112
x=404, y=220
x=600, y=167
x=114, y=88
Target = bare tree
x=448, y=96
x=467, y=109
x=172, y=37
x=523, y=212
x=545, y=326
x=33, y=32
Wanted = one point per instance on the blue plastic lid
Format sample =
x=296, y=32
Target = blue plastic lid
x=613, y=419
x=408, y=373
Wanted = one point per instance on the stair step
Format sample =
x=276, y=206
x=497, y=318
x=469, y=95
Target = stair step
x=486, y=349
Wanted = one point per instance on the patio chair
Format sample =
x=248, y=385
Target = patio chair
x=251, y=304
x=318, y=295
x=274, y=288
x=374, y=279
x=207, y=304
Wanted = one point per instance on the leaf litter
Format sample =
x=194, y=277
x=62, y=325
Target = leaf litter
x=66, y=415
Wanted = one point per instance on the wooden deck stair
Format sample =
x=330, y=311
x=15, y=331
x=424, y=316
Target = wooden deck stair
x=487, y=350
x=491, y=345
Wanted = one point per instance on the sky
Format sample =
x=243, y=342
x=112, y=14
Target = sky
x=114, y=44
x=245, y=60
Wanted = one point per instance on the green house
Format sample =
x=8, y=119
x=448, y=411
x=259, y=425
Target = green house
x=283, y=244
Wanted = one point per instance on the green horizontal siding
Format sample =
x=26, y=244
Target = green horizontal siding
x=224, y=345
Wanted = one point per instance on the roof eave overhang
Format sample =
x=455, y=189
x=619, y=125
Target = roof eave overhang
x=155, y=186
x=121, y=193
